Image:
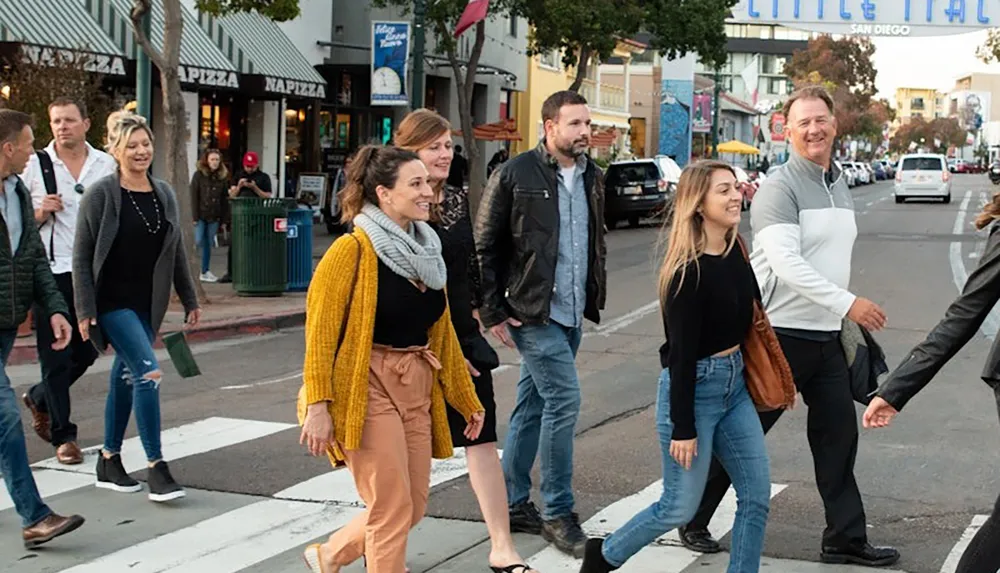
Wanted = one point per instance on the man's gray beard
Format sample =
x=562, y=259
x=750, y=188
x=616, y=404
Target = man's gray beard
x=570, y=151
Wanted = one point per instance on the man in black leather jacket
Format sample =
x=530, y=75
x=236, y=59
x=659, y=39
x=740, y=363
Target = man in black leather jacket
x=960, y=323
x=540, y=241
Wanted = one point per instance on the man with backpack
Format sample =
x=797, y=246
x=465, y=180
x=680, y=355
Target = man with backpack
x=57, y=177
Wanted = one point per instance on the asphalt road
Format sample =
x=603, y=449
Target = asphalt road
x=923, y=479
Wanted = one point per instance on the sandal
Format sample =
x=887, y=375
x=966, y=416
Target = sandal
x=515, y=568
x=312, y=558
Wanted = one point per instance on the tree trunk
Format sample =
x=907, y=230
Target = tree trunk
x=581, y=69
x=465, y=84
x=175, y=120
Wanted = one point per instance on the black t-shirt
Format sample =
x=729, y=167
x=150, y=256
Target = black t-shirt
x=403, y=314
x=710, y=313
x=263, y=180
x=126, y=279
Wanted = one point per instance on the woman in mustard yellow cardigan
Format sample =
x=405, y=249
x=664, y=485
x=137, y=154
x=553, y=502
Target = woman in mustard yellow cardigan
x=382, y=359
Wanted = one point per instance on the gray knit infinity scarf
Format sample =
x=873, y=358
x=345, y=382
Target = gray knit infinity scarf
x=414, y=254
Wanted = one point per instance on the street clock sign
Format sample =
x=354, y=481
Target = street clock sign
x=873, y=17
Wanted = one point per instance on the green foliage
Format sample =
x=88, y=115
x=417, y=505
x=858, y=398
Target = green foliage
x=33, y=87
x=595, y=26
x=277, y=10
x=923, y=133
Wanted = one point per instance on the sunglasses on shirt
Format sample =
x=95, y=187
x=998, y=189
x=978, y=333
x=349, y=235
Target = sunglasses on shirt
x=78, y=188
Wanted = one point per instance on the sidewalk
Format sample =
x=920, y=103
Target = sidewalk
x=226, y=314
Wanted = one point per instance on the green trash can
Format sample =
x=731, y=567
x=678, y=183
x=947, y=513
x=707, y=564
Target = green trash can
x=260, y=260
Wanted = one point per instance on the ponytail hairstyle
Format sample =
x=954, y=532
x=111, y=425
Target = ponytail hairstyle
x=373, y=166
x=990, y=213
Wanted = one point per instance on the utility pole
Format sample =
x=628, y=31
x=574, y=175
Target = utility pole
x=715, y=114
x=419, y=39
x=143, y=74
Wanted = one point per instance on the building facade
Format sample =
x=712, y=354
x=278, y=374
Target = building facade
x=926, y=103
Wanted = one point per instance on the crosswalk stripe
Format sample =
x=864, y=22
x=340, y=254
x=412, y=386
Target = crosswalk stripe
x=198, y=437
x=230, y=542
x=951, y=562
x=338, y=486
x=664, y=555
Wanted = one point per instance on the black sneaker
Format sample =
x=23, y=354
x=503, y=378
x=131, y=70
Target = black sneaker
x=111, y=475
x=225, y=279
x=162, y=486
x=525, y=518
x=565, y=533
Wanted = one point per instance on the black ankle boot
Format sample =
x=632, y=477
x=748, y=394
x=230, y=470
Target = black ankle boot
x=593, y=558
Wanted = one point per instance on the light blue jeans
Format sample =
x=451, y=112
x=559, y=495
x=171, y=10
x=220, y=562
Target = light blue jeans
x=545, y=414
x=204, y=237
x=727, y=426
x=17, y=474
x=131, y=335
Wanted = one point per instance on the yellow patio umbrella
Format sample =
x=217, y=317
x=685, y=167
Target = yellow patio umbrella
x=736, y=146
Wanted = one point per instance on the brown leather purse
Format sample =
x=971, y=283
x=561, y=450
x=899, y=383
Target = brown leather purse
x=768, y=375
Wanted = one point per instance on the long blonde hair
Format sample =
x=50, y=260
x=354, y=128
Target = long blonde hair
x=684, y=228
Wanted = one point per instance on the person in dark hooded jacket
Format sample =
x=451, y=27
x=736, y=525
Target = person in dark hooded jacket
x=209, y=199
x=960, y=323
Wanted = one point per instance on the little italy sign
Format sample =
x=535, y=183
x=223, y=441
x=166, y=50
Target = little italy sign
x=873, y=17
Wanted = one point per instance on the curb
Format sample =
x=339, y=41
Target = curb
x=25, y=352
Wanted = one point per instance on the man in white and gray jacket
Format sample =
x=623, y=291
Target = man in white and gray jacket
x=804, y=229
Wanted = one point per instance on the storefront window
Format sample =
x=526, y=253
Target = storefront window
x=214, y=127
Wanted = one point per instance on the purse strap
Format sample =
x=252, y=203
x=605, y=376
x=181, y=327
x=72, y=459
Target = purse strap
x=350, y=299
x=743, y=247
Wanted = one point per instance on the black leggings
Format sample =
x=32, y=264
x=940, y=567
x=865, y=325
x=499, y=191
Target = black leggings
x=983, y=553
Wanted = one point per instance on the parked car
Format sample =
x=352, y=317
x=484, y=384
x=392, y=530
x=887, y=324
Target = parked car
x=890, y=168
x=671, y=171
x=923, y=175
x=995, y=173
x=879, y=170
x=864, y=176
x=635, y=190
x=848, y=173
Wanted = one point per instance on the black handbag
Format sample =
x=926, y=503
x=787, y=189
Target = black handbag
x=479, y=352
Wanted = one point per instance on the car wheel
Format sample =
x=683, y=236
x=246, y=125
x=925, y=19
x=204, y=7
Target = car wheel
x=900, y=199
x=947, y=198
x=633, y=221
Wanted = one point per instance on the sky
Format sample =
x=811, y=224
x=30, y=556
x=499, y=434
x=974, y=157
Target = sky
x=934, y=62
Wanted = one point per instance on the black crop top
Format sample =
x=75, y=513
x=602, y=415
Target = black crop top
x=712, y=312
x=403, y=314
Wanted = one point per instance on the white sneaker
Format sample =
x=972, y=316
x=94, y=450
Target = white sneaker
x=209, y=277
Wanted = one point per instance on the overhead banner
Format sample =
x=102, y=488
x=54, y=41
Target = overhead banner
x=390, y=53
x=873, y=17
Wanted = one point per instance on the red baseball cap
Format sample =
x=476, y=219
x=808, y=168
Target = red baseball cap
x=250, y=159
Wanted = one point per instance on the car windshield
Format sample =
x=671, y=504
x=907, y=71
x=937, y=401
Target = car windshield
x=921, y=164
x=632, y=173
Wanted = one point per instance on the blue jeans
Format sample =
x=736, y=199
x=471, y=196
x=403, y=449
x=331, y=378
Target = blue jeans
x=727, y=426
x=13, y=451
x=548, y=404
x=130, y=334
x=204, y=236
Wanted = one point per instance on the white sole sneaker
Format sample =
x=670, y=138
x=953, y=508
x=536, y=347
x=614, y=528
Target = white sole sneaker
x=162, y=497
x=118, y=488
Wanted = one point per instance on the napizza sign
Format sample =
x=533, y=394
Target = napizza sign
x=873, y=17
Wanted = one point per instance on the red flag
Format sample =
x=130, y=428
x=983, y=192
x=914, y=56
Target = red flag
x=475, y=11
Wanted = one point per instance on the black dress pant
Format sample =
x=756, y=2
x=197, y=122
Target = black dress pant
x=983, y=553
x=60, y=368
x=821, y=375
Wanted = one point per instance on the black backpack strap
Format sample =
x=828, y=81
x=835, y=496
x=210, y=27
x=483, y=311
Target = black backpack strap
x=49, y=178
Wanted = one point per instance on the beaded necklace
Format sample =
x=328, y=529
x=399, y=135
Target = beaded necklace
x=156, y=205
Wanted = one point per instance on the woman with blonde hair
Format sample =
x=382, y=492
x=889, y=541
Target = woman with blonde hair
x=382, y=359
x=707, y=291
x=127, y=255
x=429, y=135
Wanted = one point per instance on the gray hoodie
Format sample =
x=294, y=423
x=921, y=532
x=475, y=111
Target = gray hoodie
x=97, y=226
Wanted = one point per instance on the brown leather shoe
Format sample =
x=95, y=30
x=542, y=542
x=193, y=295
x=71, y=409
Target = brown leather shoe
x=49, y=528
x=39, y=420
x=69, y=454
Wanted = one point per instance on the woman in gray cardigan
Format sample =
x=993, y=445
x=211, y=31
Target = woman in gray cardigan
x=128, y=254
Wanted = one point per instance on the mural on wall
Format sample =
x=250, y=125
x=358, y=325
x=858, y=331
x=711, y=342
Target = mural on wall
x=675, y=120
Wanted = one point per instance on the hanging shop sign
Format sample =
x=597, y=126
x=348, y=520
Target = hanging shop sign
x=873, y=17
x=390, y=52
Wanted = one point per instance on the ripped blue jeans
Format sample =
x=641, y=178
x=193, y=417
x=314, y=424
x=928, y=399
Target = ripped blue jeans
x=131, y=335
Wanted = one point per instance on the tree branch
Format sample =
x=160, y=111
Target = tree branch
x=581, y=68
x=139, y=9
x=473, y=65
